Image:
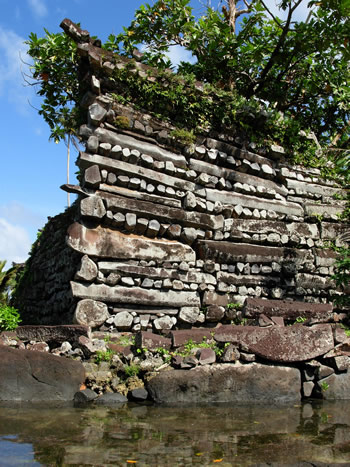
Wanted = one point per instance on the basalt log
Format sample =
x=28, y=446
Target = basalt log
x=253, y=383
x=321, y=312
x=280, y=344
x=106, y=243
x=135, y=295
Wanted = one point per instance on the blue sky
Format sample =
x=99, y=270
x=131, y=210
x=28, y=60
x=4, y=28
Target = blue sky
x=33, y=168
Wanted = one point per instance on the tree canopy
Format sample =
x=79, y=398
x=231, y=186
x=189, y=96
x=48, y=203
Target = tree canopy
x=298, y=70
x=301, y=68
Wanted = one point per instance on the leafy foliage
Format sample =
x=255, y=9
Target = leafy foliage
x=270, y=80
x=104, y=355
x=342, y=275
x=55, y=71
x=7, y=282
x=300, y=68
x=131, y=370
x=190, y=346
x=9, y=318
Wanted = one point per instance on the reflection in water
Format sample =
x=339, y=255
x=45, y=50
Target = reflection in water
x=160, y=436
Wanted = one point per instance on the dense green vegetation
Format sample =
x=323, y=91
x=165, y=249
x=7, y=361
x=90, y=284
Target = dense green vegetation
x=284, y=76
x=300, y=69
x=7, y=282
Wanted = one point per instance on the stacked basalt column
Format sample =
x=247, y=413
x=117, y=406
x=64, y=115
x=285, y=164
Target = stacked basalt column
x=173, y=235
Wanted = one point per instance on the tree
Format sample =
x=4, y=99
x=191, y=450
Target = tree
x=296, y=70
x=301, y=69
x=7, y=282
x=55, y=72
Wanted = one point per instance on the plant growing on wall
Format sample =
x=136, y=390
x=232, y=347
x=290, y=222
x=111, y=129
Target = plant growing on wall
x=300, y=68
x=342, y=276
x=292, y=74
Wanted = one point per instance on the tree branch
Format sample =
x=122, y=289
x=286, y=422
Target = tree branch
x=242, y=12
x=339, y=134
x=281, y=40
x=276, y=20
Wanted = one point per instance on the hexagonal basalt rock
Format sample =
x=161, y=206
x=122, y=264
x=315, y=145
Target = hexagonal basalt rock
x=87, y=271
x=123, y=321
x=91, y=313
x=189, y=314
x=163, y=323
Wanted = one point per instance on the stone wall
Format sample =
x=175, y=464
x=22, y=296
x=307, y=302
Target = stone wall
x=43, y=295
x=167, y=235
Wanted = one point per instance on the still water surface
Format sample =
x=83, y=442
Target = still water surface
x=308, y=434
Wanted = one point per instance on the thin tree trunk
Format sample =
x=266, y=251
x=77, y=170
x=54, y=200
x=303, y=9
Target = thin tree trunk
x=232, y=14
x=68, y=157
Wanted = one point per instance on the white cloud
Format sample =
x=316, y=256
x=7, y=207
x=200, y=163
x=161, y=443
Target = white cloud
x=15, y=243
x=13, y=60
x=17, y=213
x=177, y=53
x=38, y=7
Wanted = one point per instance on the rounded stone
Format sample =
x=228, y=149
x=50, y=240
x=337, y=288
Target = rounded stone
x=91, y=313
x=123, y=321
x=189, y=314
x=163, y=323
x=87, y=271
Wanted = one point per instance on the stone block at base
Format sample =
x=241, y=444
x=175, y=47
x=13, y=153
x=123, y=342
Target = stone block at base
x=27, y=375
x=252, y=383
x=336, y=387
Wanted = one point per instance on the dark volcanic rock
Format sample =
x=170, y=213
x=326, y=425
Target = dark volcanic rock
x=111, y=398
x=49, y=334
x=139, y=394
x=84, y=396
x=280, y=344
x=227, y=383
x=321, y=312
x=151, y=341
x=336, y=387
x=206, y=356
x=37, y=376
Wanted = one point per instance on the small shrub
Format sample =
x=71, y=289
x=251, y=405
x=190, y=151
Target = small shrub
x=190, y=345
x=183, y=136
x=324, y=386
x=164, y=353
x=342, y=276
x=346, y=329
x=131, y=370
x=104, y=356
x=9, y=318
x=126, y=340
x=234, y=306
x=122, y=122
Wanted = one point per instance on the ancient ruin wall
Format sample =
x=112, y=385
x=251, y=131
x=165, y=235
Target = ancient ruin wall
x=167, y=235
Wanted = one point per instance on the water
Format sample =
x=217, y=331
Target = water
x=305, y=434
